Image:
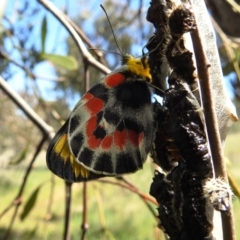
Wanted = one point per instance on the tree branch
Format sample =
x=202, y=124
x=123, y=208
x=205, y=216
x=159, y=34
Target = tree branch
x=81, y=47
x=17, y=200
x=67, y=215
x=206, y=76
x=23, y=105
x=132, y=189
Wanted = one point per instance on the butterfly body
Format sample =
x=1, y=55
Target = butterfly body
x=110, y=130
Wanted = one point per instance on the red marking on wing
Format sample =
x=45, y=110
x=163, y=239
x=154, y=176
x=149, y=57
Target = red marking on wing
x=94, y=142
x=120, y=139
x=107, y=142
x=87, y=96
x=114, y=80
x=95, y=105
x=135, y=138
x=140, y=138
x=91, y=125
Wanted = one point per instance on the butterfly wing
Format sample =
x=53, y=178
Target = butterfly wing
x=110, y=130
x=61, y=161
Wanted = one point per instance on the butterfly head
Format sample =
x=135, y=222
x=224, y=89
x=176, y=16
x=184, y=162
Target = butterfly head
x=138, y=66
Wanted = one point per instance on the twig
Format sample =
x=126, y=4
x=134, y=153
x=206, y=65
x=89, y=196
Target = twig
x=17, y=199
x=68, y=191
x=84, y=226
x=81, y=47
x=21, y=103
x=235, y=187
x=203, y=66
x=124, y=179
x=87, y=41
x=100, y=208
x=234, y=5
x=143, y=198
x=229, y=50
x=51, y=197
x=135, y=190
x=9, y=207
x=28, y=72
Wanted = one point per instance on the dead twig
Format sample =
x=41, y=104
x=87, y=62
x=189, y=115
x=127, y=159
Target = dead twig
x=81, y=47
x=209, y=106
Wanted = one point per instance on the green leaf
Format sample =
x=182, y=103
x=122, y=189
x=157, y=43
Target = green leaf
x=30, y=203
x=43, y=33
x=20, y=157
x=67, y=62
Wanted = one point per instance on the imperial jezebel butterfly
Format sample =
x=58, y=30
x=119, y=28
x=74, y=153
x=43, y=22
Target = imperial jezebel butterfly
x=110, y=130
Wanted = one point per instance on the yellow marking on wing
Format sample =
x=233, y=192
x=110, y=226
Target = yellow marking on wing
x=62, y=149
x=139, y=66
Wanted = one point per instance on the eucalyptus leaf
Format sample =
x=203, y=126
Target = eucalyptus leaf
x=30, y=203
x=43, y=33
x=67, y=62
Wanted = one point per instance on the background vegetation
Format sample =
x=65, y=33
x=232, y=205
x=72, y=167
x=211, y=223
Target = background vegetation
x=40, y=61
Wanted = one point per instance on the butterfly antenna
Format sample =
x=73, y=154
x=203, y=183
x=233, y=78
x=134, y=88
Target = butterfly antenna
x=102, y=50
x=111, y=29
x=153, y=50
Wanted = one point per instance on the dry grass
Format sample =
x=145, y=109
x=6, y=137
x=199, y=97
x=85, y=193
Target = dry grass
x=124, y=213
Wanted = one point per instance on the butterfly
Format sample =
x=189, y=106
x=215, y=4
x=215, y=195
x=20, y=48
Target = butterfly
x=110, y=130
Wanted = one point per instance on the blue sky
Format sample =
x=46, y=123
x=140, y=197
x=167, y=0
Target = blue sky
x=57, y=34
x=43, y=69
